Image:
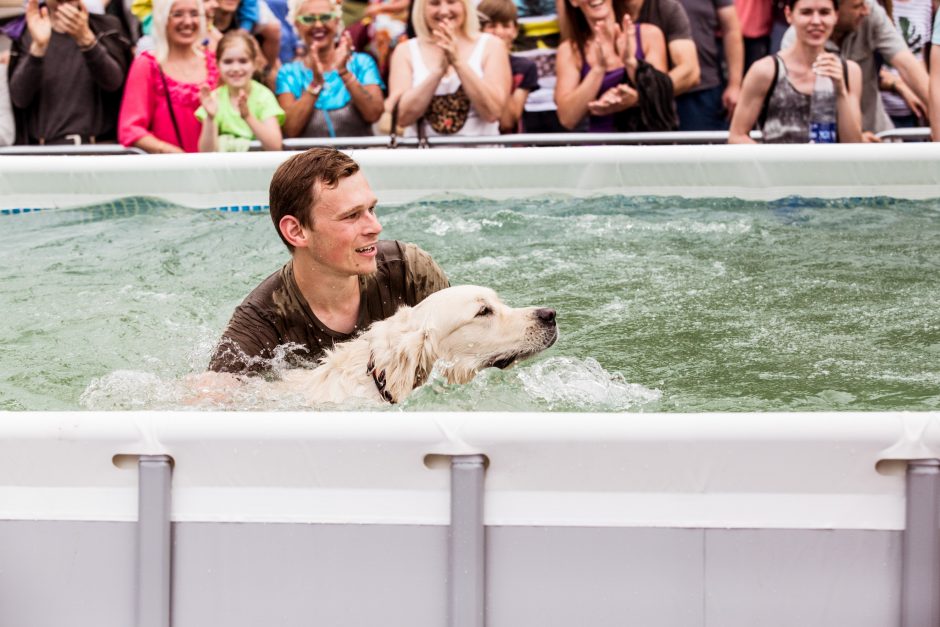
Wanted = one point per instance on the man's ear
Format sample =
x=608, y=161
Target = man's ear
x=293, y=232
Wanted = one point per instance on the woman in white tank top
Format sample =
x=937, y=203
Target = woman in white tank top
x=448, y=66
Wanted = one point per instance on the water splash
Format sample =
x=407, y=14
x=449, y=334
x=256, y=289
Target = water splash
x=583, y=384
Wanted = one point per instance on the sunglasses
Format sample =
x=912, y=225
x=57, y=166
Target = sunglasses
x=313, y=18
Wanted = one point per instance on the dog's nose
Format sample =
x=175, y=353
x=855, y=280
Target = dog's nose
x=547, y=316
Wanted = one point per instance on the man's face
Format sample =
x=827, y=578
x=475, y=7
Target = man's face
x=345, y=228
x=851, y=14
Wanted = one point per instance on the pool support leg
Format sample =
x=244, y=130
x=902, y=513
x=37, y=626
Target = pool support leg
x=466, y=543
x=153, y=541
x=920, y=553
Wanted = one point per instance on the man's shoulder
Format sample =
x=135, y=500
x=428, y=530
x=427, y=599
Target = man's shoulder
x=263, y=296
x=670, y=16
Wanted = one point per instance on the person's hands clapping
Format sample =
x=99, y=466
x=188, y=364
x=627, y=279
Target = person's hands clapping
x=617, y=98
x=313, y=62
x=208, y=100
x=243, y=105
x=72, y=19
x=343, y=53
x=445, y=39
x=40, y=27
x=626, y=43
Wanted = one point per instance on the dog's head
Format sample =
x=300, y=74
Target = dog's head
x=468, y=328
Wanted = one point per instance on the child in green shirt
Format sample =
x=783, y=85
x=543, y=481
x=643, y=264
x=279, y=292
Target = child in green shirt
x=240, y=109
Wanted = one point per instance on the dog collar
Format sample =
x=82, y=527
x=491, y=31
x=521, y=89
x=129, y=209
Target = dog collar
x=379, y=380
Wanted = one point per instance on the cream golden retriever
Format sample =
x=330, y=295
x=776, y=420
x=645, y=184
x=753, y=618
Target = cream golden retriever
x=467, y=328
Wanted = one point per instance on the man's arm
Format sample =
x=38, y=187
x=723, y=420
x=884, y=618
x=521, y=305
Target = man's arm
x=733, y=42
x=912, y=72
x=685, y=69
x=246, y=342
x=934, y=106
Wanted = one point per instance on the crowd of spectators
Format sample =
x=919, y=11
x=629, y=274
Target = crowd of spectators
x=215, y=75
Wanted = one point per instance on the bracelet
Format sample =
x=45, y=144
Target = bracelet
x=89, y=46
x=343, y=73
x=313, y=89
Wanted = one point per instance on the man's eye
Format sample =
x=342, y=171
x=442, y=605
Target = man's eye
x=484, y=311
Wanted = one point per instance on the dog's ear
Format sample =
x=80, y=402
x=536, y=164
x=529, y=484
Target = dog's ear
x=403, y=350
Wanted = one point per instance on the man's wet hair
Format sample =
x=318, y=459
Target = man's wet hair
x=296, y=184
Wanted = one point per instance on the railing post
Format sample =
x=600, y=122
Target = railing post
x=920, y=553
x=466, y=543
x=153, y=541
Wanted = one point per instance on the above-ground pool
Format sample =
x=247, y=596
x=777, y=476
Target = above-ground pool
x=664, y=304
x=664, y=464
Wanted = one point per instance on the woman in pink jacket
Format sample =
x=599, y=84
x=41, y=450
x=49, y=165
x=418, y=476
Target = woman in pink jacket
x=162, y=91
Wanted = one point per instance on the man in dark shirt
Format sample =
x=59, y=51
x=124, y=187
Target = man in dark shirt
x=340, y=277
x=67, y=74
x=671, y=18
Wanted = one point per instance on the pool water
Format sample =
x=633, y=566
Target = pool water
x=663, y=304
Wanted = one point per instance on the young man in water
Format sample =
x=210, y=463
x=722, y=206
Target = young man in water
x=340, y=277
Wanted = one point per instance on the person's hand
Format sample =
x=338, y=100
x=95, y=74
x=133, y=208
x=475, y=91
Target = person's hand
x=618, y=98
x=243, y=105
x=445, y=39
x=595, y=57
x=167, y=149
x=208, y=100
x=313, y=62
x=343, y=52
x=869, y=137
x=729, y=98
x=915, y=104
x=625, y=43
x=606, y=38
x=72, y=19
x=828, y=64
x=40, y=27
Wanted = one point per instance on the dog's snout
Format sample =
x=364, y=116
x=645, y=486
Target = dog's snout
x=546, y=316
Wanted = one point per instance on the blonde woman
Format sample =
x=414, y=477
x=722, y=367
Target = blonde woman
x=331, y=91
x=162, y=91
x=451, y=79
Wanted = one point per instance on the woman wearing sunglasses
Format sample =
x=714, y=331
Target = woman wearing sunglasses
x=331, y=91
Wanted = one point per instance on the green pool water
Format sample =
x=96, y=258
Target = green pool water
x=663, y=304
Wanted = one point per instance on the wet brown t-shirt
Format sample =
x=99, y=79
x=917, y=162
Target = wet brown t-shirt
x=276, y=322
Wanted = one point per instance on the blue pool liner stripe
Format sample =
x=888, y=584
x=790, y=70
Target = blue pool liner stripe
x=241, y=208
x=225, y=208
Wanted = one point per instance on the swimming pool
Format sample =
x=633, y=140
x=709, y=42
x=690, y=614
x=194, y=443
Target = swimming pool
x=665, y=304
x=615, y=513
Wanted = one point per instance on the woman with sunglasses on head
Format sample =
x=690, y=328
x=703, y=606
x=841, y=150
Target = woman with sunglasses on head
x=331, y=91
x=451, y=79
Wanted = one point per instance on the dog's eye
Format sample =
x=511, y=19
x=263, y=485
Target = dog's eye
x=484, y=311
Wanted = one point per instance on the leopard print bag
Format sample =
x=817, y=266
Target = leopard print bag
x=448, y=113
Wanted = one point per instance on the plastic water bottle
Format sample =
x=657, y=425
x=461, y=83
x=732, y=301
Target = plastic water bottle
x=822, y=112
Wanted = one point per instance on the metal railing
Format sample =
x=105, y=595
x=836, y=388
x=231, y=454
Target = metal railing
x=72, y=149
x=512, y=140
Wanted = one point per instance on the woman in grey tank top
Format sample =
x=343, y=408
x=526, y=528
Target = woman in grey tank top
x=777, y=90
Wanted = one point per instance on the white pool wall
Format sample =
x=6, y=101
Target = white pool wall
x=749, y=172
x=834, y=470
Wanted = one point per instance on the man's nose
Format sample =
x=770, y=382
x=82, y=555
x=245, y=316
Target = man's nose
x=372, y=224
